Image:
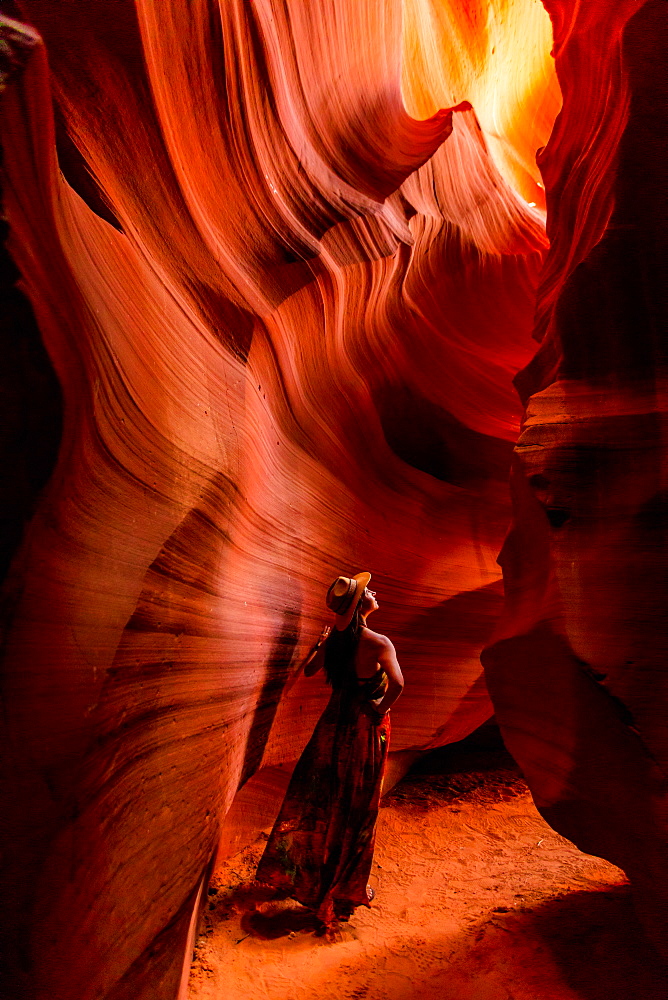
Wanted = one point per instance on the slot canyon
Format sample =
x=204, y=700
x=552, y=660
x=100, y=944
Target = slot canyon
x=296, y=288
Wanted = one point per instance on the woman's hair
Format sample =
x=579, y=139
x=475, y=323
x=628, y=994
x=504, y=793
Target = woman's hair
x=340, y=650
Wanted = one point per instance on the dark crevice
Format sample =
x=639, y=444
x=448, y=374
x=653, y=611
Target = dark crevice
x=431, y=439
x=30, y=410
x=76, y=172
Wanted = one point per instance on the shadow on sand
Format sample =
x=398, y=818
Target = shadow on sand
x=599, y=945
x=280, y=921
x=263, y=912
x=593, y=939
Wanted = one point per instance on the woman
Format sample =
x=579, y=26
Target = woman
x=321, y=847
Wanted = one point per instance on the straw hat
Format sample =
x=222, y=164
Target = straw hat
x=343, y=597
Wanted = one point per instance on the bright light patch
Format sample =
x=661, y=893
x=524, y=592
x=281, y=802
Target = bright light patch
x=495, y=55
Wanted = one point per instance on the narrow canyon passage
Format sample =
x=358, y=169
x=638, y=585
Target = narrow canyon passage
x=303, y=288
x=477, y=898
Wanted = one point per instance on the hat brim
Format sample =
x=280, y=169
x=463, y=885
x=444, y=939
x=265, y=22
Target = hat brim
x=343, y=621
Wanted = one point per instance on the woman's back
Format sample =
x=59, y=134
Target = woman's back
x=370, y=645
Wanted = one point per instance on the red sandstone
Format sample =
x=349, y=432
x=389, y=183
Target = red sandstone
x=285, y=260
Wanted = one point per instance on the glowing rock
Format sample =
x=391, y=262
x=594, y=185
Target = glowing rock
x=285, y=316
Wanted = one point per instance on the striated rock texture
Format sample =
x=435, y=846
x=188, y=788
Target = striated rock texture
x=577, y=667
x=283, y=259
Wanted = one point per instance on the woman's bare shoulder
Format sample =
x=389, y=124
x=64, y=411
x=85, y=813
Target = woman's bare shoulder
x=376, y=639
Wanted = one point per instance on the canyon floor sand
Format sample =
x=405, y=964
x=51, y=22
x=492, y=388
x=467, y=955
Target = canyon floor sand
x=476, y=899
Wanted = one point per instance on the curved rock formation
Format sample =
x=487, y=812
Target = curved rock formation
x=283, y=259
x=577, y=666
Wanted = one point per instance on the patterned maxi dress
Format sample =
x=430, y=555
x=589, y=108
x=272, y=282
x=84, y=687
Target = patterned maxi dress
x=321, y=847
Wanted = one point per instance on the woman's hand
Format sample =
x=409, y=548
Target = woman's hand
x=315, y=656
x=377, y=715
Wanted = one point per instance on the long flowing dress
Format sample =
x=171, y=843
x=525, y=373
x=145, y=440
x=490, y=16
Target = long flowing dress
x=321, y=847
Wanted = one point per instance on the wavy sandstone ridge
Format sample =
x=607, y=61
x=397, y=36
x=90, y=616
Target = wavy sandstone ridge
x=577, y=666
x=283, y=258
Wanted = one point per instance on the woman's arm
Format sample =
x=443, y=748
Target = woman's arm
x=387, y=658
x=316, y=655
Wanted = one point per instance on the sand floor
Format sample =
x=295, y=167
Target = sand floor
x=476, y=899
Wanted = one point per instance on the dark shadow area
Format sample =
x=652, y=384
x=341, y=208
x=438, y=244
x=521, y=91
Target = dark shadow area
x=612, y=312
x=10, y=9
x=470, y=616
x=30, y=410
x=77, y=174
x=277, y=917
x=476, y=768
x=280, y=921
x=599, y=945
x=429, y=438
x=593, y=938
x=30, y=396
x=276, y=675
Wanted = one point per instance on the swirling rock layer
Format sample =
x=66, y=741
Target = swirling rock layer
x=577, y=668
x=283, y=258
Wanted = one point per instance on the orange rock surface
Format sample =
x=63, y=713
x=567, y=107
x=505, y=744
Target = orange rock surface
x=283, y=258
